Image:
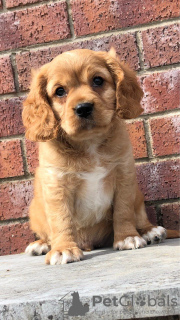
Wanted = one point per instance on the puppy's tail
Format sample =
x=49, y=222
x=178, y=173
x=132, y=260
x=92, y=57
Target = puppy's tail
x=171, y=234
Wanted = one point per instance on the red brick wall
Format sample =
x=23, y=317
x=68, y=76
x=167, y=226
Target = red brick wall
x=145, y=35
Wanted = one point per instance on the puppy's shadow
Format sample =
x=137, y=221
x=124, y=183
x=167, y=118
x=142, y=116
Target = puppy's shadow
x=96, y=252
x=109, y=250
x=171, y=243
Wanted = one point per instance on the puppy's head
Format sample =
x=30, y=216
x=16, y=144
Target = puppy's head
x=79, y=93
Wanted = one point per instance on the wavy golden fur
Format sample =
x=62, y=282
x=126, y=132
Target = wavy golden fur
x=86, y=193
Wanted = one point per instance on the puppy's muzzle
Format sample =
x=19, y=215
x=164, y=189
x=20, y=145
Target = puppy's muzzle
x=84, y=110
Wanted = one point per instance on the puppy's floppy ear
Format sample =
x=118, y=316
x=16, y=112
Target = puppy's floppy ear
x=38, y=117
x=128, y=91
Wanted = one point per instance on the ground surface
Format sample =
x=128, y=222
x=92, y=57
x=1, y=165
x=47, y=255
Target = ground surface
x=107, y=284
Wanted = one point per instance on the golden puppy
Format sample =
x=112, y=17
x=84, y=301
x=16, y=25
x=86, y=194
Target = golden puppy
x=86, y=192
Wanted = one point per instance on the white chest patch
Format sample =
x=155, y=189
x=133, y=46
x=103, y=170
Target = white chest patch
x=94, y=201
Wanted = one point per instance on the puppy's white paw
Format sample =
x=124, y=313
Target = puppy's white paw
x=37, y=248
x=66, y=256
x=156, y=235
x=56, y=258
x=130, y=243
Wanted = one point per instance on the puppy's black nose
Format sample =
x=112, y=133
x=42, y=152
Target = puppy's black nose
x=84, y=110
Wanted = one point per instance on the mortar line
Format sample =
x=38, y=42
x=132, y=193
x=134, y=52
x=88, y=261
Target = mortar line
x=165, y=115
x=12, y=137
x=148, y=116
x=13, y=95
x=3, y=6
x=155, y=115
x=15, y=72
x=29, y=5
x=30, y=177
x=158, y=69
x=155, y=159
x=148, y=138
x=161, y=201
x=140, y=50
x=24, y=157
x=9, y=221
x=70, y=19
x=98, y=35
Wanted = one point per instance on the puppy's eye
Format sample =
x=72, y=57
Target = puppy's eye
x=60, y=92
x=98, y=81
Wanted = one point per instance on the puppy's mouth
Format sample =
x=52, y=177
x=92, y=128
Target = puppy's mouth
x=87, y=123
x=79, y=127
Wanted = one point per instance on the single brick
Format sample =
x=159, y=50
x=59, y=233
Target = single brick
x=161, y=91
x=161, y=46
x=96, y=16
x=11, y=163
x=159, y=180
x=165, y=135
x=16, y=3
x=125, y=46
x=151, y=213
x=34, y=25
x=6, y=76
x=15, y=237
x=137, y=137
x=32, y=155
x=15, y=199
x=171, y=213
x=10, y=115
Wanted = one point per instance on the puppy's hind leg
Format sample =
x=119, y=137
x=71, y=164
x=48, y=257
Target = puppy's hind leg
x=150, y=233
x=126, y=236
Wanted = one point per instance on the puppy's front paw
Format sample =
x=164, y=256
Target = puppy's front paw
x=156, y=235
x=37, y=248
x=65, y=256
x=130, y=243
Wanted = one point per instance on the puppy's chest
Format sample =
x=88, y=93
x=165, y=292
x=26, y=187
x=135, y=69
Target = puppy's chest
x=94, y=196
